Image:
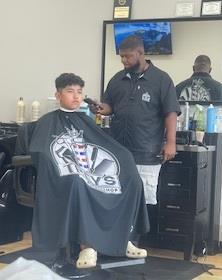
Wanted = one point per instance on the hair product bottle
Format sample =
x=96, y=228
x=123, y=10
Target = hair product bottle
x=20, y=111
x=35, y=110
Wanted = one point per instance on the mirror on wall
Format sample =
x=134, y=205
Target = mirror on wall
x=190, y=37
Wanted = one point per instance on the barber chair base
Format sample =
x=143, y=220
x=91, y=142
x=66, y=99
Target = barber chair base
x=10, y=229
x=69, y=271
x=100, y=272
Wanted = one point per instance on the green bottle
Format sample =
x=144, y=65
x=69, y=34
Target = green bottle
x=200, y=118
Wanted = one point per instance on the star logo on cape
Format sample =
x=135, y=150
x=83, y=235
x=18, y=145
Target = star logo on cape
x=97, y=166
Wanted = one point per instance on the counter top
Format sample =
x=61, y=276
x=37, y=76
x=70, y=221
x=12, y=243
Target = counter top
x=194, y=148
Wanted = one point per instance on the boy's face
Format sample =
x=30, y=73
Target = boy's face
x=70, y=97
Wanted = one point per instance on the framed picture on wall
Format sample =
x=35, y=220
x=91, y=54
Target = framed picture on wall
x=184, y=9
x=211, y=8
x=122, y=9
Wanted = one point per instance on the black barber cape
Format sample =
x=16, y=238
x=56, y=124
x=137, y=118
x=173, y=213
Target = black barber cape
x=88, y=189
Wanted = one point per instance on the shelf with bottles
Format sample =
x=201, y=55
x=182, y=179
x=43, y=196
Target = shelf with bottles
x=181, y=121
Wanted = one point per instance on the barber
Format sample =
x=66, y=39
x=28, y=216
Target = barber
x=143, y=102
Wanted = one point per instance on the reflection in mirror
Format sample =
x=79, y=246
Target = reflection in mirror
x=190, y=38
x=200, y=86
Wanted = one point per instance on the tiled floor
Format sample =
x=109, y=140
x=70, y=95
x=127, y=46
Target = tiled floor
x=216, y=260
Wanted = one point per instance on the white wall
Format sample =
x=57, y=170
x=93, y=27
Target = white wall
x=42, y=38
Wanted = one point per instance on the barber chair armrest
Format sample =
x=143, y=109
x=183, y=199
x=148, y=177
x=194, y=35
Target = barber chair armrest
x=21, y=160
x=24, y=179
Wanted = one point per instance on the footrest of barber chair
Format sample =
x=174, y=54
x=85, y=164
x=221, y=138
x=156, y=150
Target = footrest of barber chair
x=100, y=272
x=105, y=262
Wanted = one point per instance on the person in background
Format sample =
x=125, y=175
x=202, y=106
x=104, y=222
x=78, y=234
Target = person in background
x=200, y=86
x=142, y=100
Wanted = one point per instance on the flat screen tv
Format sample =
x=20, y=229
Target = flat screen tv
x=156, y=35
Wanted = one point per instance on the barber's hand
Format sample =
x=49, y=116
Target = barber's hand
x=169, y=150
x=101, y=108
x=94, y=108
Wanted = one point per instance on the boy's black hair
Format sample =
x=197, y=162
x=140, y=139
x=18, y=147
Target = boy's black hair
x=68, y=79
x=132, y=42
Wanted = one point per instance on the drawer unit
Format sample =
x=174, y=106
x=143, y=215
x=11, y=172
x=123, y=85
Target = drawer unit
x=175, y=177
x=175, y=226
x=181, y=207
x=182, y=186
x=184, y=193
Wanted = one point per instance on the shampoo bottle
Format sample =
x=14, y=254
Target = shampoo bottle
x=35, y=110
x=20, y=111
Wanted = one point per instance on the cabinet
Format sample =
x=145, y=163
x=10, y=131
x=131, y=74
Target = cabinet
x=12, y=215
x=215, y=241
x=184, y=197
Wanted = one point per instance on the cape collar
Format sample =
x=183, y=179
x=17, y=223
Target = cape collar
x=67, y=110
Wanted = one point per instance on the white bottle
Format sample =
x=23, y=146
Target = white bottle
x=35, y=110
x=53, y=104
x=219, y=120
x=186, y=116
x=20, y=111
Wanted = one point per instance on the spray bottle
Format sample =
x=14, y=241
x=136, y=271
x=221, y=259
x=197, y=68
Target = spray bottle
x=211, y=118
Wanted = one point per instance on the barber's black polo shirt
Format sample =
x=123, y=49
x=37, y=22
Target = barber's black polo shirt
x=200, y=87
x=139, y=108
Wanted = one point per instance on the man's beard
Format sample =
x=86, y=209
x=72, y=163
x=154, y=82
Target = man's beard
x=134, y=68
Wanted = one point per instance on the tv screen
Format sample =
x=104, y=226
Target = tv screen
x=156, y=36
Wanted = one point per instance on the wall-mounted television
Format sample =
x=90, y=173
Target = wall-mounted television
x=156, y=35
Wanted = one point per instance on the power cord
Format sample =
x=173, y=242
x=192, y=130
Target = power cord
x=204, y=255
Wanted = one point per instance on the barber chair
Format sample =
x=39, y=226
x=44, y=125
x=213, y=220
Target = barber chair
x=60, y=262
x=25, y=185
x=24, y=180
x=10, y=211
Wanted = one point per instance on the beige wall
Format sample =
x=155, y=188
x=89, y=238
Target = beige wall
x=42, y=38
